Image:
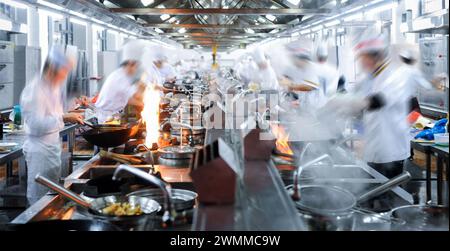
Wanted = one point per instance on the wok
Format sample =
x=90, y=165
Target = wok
x=92, y=208
x=64, y=225
x=103, y=135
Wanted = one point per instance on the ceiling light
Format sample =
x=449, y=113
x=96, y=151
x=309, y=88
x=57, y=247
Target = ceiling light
x=353, y=17
x=159, y=30
x=294, y=2
x=274, y=31
x=248, y=30
x=317, y=28
x=205, y=17
x=303, y=32
x=147, y=2
x=182, y=30
x=332, y=23
x=261, y=19
x=164, y=17
x=271, y=17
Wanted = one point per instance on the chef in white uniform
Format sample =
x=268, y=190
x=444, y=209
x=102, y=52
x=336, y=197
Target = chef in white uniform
x=123, y=86
x=302, y=76
x=262, y=73
x=386, y=130
x=329, y=73
x=42, y=109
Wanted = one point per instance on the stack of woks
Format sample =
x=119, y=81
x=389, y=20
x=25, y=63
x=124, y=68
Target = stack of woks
x=189, y=113
x=176, y=156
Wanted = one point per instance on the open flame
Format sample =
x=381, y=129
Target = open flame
x=282, y=139
x=150, y=115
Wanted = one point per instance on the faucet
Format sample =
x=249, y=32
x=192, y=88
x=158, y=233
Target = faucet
x=299, y=170
x=168, y=215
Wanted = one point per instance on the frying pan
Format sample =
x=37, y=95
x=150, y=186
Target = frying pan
x=64, y=225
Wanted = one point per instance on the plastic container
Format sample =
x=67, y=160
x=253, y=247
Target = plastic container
x=441, y=139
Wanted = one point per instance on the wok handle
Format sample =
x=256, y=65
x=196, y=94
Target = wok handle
x=62, y=191
x=388, y=185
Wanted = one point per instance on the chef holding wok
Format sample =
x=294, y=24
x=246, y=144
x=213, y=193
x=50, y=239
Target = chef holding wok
x=123, y=86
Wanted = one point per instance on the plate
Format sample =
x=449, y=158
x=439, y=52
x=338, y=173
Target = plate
x=6, y=147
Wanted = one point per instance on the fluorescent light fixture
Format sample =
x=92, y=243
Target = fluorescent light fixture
x=15, y=4
x=205, y=17
x=294, y=2
x=261, y=19
x=147, y=2
x=332, y=23
x=172, y=19
x=317, y=28
x=295, y=34
x=248, y=30
x=303, y=32
x=182, y=30
x=164, y=17
x=5, y=25
x=274, y=31
x=352, y=17
x=159, y=30
x=271, y=17
x=77, y=21
x=51, y=5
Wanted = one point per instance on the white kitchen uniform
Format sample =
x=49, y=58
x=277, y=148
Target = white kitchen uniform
x=329, y=78
x=266, y=78
x=416, y=80
x=114, y=95
x=167, y=72
x=386, y=134
x=42, y=111
x=309, y=75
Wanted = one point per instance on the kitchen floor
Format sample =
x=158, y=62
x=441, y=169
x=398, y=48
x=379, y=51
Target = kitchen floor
x=13, y=200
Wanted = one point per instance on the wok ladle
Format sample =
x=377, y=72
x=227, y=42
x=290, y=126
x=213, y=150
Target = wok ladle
x=65, y=193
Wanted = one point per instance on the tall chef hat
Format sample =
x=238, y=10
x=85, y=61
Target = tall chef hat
x=133, y=50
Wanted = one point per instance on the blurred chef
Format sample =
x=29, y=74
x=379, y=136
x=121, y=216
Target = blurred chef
x=166, y=71
x=42, y=105
x=123, y=86
x=416, y=79
x=302, y=76
x=329, y=76
x=262, y=72
x=386, y=136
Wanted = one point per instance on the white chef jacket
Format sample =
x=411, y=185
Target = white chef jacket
x=114, y=95
x=386, y=131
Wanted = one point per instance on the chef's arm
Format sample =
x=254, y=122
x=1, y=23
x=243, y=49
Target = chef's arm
x=137, y=99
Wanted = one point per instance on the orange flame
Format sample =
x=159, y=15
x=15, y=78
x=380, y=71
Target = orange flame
x=150, y=115
x=282, y=139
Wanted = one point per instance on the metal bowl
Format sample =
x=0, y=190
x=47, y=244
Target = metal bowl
x=182, y=199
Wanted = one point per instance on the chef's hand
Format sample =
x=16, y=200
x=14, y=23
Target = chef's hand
x=74, y=118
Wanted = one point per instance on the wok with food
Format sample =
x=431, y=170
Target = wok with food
x=122, y=209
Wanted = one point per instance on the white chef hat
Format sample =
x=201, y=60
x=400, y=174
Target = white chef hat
x=159, y=53
x=375, y=43
x=133, y=50
x=258, y=56
x=301, y=48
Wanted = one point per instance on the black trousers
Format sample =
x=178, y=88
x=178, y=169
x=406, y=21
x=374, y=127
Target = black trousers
x=390, y=169
x=384, y=202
